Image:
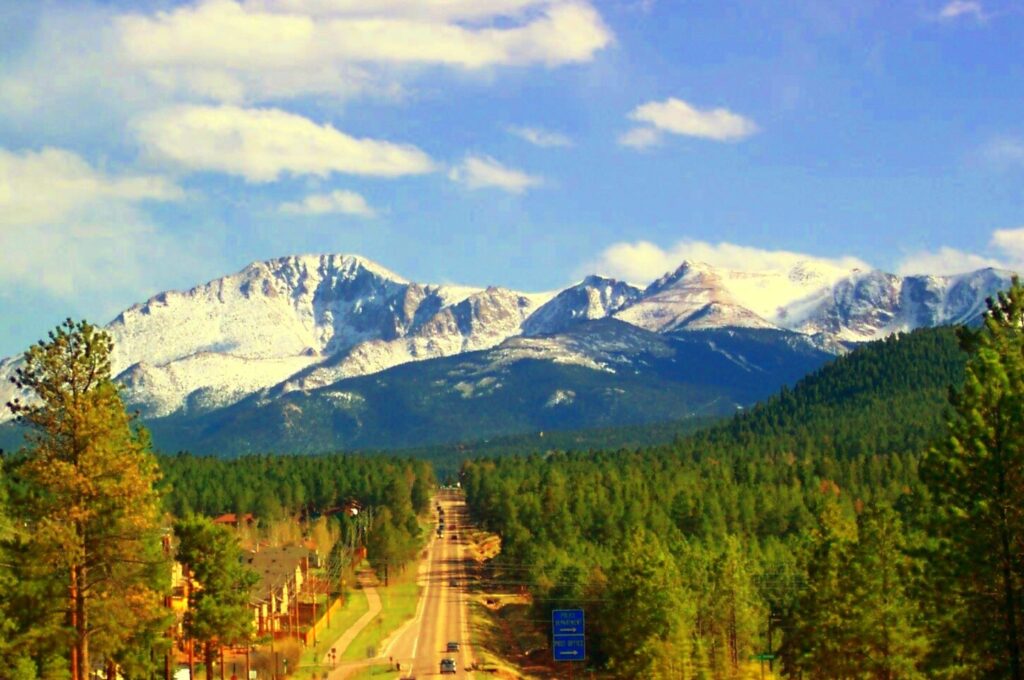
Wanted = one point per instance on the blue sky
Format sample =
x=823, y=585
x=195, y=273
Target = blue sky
x=522, y=143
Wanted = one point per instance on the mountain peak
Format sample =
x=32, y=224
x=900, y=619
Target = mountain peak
x=329, y=263
x=690, y=272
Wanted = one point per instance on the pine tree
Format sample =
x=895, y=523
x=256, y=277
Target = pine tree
x=884, y=627
x=92, y=506
x=735, y=611
x=12, y=653
x=976, y=475
x=218, y=608
x=644, y=614
x=817, y=628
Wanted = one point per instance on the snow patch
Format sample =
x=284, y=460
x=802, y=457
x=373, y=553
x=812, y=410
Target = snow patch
x=560, y=398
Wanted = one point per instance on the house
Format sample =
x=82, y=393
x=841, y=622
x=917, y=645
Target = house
x=232, y=520
x=282, y=574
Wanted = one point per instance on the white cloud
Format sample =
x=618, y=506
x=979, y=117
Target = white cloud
x=1005, y=150
x=73, y=231
x=678, y=117
x=339, y=201
x=479, y=172
x=1010, y=242
x=236, y=52
x=1006, y=251
x=262, y=144
x=644, y=261
x=541, y=137
x=457, y=10
x=944, y=261
x=38, y=187
x=960, y=8
x=640, y=138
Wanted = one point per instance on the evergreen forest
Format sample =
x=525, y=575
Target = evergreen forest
x=864, y=524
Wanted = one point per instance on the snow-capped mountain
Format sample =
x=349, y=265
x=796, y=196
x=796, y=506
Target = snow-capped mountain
x=305, y=319
x=872, y=305
x=692, y=297
x=305, y=322
x=595, y=297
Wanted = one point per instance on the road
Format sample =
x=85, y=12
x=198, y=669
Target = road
x=442, y=615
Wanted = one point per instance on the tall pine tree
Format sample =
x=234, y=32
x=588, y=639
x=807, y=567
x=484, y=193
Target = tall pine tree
x=976, y=475
x=91, y=504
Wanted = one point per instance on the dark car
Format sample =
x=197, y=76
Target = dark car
x=448, y=666
x=453, y=646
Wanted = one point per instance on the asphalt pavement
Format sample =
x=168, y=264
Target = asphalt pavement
x=442, y=614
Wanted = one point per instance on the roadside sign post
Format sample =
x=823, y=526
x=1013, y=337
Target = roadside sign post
x=568, y=638
x=762, y=658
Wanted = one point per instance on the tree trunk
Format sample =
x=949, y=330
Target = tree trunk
x=1012, y=636
x=209, y=655
x=82, y=615
x=73, y=620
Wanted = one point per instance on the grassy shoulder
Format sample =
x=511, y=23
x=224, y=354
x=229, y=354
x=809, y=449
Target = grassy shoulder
x=398, y=605
x=312, y=658
x=381, y=671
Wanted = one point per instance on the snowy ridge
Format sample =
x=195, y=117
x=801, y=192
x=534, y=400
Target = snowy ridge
x=694, y=296
x=305, y=322
x=595, y=297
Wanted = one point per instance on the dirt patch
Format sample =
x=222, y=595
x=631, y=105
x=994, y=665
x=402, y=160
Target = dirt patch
x=508, y=642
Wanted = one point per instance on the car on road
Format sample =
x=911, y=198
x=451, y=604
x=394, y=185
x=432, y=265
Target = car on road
x=448, y=666
x=453, y=646
x=453, y=583
x=455, y=537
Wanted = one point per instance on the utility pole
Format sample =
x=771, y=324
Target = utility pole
x=191, y=642
x=74, y=623
x=773, y=617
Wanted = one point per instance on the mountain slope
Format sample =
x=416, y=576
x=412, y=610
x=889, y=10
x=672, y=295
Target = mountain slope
x=599, y=373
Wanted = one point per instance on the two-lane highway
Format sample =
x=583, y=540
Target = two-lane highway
x=442, y=615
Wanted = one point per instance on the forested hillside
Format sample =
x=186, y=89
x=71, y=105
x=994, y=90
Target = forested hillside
x=809, y=511
x=837, y=406
x=885, y=397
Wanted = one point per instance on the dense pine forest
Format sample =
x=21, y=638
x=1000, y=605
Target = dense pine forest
x=852, y=527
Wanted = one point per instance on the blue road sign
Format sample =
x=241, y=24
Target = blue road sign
x=567, y=635
x=570, y=648
x=567, y=622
